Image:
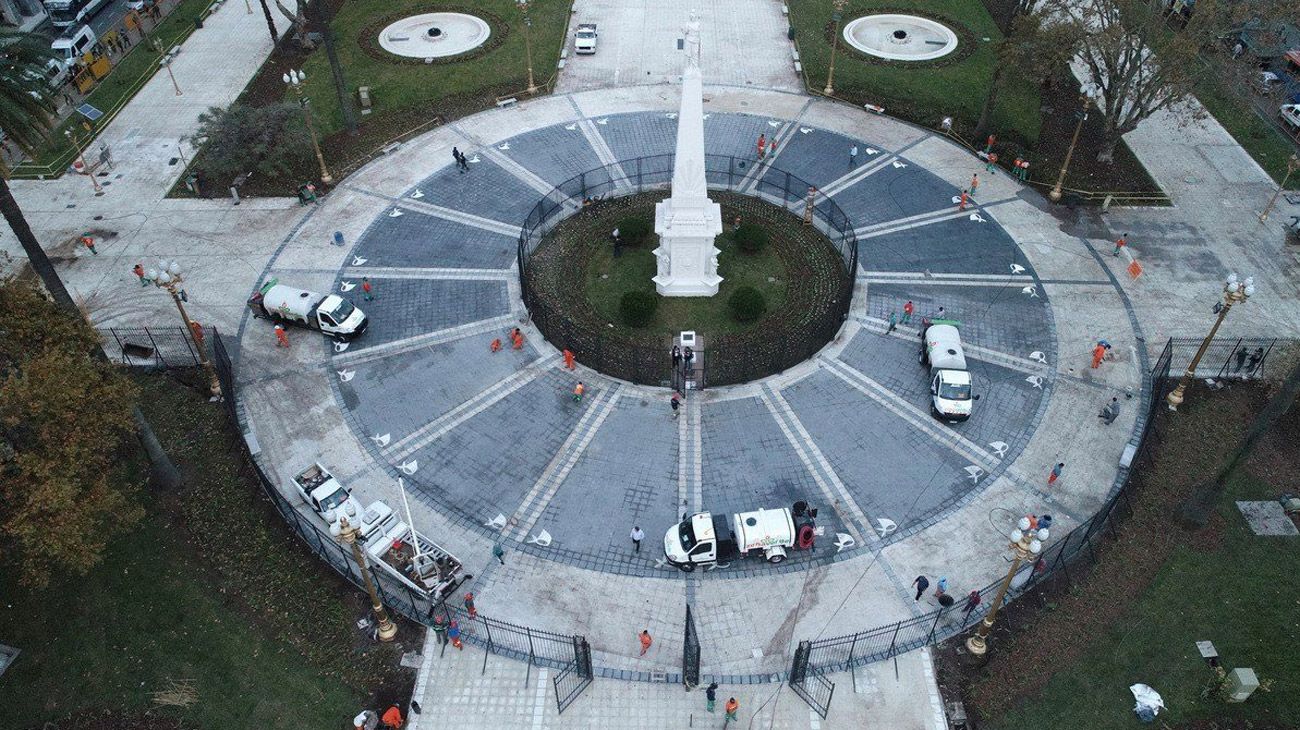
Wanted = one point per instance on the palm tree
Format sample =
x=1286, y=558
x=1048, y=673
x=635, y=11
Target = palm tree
x=27, y=116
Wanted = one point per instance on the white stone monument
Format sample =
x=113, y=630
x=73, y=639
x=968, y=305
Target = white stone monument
x=688, y=221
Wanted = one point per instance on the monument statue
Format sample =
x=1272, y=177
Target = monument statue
x=688, y=221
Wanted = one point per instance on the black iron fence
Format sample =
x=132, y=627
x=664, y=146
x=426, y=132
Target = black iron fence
x=1224, y=359
x=691, y=653
x=724, y=363
x=568, y=653
x=169, y=347
x=817, y=657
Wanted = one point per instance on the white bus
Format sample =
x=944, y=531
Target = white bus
x=64, y=13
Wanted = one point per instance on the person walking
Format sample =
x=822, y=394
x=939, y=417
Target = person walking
x=453, y=634
x=732, y=707
x=893, y=322
x=973, y=600
x=974, y=182
x=991, y=165
x=1252, y=365
x=677, y=358
x=570, y=362
x=675, y=403
x=455, y=156
x=688, y=357
x=440, y=630
x=942, y=589
x=1098, y=353
x=89, y=242
x=1055, y=474
x=907, y=312
x=1120, y=243
x=921, y=584
x=637, y=536
x=965, y=198
x=646, y=641
x=762, y=145
x=1241, y=354
x=771, y=147
x=499, y=553
x=517, y=339
x=1110, y=412
x=578, y=390
x=710, y=696
x=138, y=270
x=281, y=337
x=469, y=605
x=367, y=291
x=853, y=156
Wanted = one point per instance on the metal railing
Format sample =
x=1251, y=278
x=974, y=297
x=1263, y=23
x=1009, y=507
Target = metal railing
x=817, y=657
x=169, y=347
x=733, y=358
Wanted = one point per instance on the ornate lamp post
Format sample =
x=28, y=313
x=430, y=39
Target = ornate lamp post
x=1233, y=292
x=1292, y=164
x=1025, y=542
x=168, y=276
x=836, y=16
x=76, y=144
x=348, y=533
x=1085, y=98
x=528, y=44
x=294, y=79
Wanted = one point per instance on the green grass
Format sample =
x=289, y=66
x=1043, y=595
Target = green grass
x=632, y=271
x=921, y=92
x=260, y=626
x=404, y=85
x=1259, y=138
x=1239, y=594
x=117, y=88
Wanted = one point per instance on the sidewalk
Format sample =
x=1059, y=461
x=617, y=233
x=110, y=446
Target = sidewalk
x=457, y=691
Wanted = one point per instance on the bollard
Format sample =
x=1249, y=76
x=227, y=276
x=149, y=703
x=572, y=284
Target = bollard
x=338, y=238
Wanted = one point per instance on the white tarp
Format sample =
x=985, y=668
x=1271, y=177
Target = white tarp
x=1148, y=704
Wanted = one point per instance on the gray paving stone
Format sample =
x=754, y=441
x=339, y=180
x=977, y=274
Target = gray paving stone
x=959, y=246
x=409, y=307
x=418, y=240
x=487, y=190
x=554, y=154
x=999, y=317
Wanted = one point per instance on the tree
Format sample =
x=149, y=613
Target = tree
x=269, y=140
x=298, y=18
x=64, y=414
x=317, y=10
x=270, y=23
x=1032, y=49
x=1137, y=63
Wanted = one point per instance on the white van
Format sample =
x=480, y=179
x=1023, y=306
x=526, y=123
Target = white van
x=72, y=46
x=333, y=315
x=950, y=382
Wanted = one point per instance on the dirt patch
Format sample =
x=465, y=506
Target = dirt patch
x=114, y=720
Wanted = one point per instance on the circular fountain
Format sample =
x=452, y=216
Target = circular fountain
x=434, y=35
x=900, y=37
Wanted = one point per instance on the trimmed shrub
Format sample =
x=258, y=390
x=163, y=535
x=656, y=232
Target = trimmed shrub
x=747, y=304
x=750, y=238
x=638, y=307
x=634, y=231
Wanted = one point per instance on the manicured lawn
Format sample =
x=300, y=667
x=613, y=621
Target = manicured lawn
x=1137, y=615
x=1259, y=138
x=405, y=85
x=608, y=278
x=922, y=92
x=229, y=601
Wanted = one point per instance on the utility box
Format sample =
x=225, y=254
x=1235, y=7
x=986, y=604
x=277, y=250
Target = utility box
x=363, y=96
x=1242, y=682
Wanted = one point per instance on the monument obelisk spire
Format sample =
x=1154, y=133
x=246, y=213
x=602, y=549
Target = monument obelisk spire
x=688, y=221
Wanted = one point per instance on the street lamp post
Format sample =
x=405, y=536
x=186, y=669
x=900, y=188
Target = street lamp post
x=169, y=276
x=1292, y=164
x=528, y=45
x=1233, y=292
x=76, y=144
x=836, y=16
x=1025, y=542
x=166, y=62
x=1084, y=99
x=294, y=79
x=387, y=629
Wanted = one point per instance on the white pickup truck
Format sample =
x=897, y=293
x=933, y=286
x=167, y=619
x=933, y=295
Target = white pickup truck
x=331, y=500
x=584, y=39
x=1290, y=114
x=426, y=568
x=706, y=539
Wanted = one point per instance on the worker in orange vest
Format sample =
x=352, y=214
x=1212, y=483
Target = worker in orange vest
x=964, y=198
x=392, y=718
x=281, y=337
x=646, y=641
x=569, y=359
x=1098, y=353
x=496, y=345
x=732, y=708
x=578, y=390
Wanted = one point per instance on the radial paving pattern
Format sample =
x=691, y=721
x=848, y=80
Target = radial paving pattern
x=494, y=437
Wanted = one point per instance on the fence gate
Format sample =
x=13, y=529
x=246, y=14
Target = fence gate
x=691, y=653
x=810, y=685
x=575, y=677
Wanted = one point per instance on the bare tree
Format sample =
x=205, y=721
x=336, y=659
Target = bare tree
x=1138, y=62
x=1032, y=50
x=298, y=18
